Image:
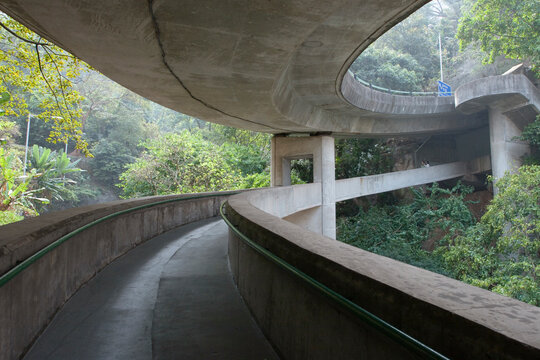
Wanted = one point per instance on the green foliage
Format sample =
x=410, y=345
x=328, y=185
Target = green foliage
x=8, y=129
x=27, y=194
x=4, y=98
x=16, y=195
x=9, y=216
x=531, y=134
x=361, y=157
x=247, y=159
x=402, y=232
x=178, y=163
x=51, y=169
x=301, y=171
x=502, y=27
x=501, y=253
x=110, y=159
x=256, y=180
x=40, y=74
x=406, y=57
x=390, y=69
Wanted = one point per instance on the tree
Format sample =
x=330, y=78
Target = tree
x=51, y=169
x=405, y=58
x=405, y=231
x=16, y=196
x=361, y=157
x=35, y=71
x=389, y=68
x=502, y=252
x=179, y=163
x=502, y=27
x=531, y=134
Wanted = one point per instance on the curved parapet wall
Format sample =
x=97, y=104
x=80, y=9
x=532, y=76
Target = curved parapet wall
x=511, y=89
x=29, y=300
x=458, y=320
x=366, y=98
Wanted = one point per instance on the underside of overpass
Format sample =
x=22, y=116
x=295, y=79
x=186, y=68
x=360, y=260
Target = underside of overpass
x=282, y=67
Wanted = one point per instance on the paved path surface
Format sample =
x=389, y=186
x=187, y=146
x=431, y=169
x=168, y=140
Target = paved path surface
x=170, y=298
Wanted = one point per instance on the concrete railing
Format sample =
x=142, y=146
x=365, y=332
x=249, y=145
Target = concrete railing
x=376, y=184
x=458, y=320
x=29, y=300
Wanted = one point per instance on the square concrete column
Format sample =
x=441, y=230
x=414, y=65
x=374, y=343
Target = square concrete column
x=321, y=150
x=506, y=151
x=327, y=171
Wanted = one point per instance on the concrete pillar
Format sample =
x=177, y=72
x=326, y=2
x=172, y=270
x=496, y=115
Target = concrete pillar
x=506, y=151
x=321, y=150
x=328, y=179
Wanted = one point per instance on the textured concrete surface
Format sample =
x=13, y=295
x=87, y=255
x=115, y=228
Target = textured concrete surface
x=170, y=298
x=459, y=320
x=321, y=150
x=512, y=102
x=273, y=66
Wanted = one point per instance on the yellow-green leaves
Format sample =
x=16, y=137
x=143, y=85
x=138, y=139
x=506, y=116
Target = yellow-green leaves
x=41, y=76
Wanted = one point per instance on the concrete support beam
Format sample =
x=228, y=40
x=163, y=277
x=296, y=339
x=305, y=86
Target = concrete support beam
x=321, y=150
x=376, y=184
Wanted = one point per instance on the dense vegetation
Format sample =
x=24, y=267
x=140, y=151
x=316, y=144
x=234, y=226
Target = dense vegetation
x=436, y=231
x=188, y=162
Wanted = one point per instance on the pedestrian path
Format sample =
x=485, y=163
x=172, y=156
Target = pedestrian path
x=170, y=298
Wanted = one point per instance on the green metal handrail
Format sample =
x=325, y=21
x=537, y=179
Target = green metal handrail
x=394, y=92
x=5, y=278
x=392, y=332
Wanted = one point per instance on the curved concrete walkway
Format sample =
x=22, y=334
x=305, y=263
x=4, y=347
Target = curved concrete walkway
x=170, y=298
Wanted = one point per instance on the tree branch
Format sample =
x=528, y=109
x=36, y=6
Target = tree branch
x=22, y=38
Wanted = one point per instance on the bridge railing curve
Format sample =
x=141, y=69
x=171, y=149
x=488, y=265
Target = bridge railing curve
x=456, y=320
x=45, y=260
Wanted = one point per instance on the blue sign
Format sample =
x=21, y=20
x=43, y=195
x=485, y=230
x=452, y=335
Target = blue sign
x=444, y=89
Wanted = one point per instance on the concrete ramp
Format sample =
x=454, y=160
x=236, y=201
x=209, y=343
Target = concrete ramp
x=170, y=298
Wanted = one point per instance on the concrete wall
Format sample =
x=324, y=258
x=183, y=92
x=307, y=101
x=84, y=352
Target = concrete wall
x=456, y=319
x=473, y=144
x=29, y=301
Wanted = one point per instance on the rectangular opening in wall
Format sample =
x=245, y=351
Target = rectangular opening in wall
x=302, y=171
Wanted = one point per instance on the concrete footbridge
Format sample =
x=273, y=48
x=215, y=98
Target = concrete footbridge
x=279, y=67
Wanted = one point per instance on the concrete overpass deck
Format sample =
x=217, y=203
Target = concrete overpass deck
x=271, y=66
x=173, y=297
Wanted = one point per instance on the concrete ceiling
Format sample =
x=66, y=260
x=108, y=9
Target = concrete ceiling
x=276, y=66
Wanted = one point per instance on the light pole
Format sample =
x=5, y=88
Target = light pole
x=440, y=56
x=26, y=146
